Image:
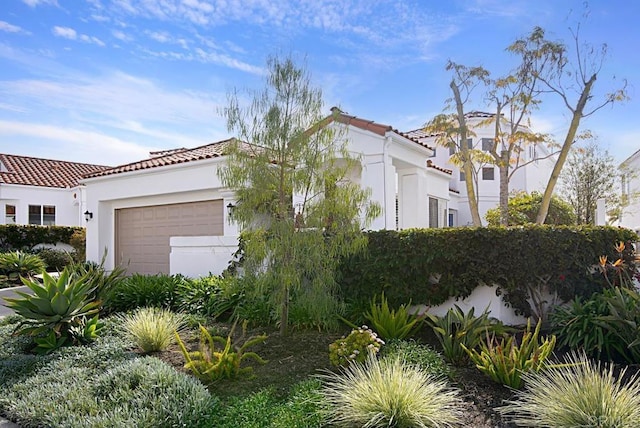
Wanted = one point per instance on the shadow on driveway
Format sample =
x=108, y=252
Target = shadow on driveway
x=9, y=292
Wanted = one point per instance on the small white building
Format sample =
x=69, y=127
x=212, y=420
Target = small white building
x=170, y=213
x=534, y=172
x=629, y=170
x=42, y=191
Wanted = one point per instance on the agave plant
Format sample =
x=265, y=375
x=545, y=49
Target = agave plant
x=18, y=263
x=62, y=306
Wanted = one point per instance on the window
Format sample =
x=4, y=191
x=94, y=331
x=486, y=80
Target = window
x=487, y=173
x=433, y=212
x=470, y=143
x=453, y=218
x=42, y=215
x=452, y=149
x=462, y=177
x=433, y=155
x=49, y=215
x=487, y=144
x=10, y=214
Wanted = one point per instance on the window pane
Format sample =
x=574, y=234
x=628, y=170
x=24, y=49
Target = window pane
x=487, y=173
x=487, y=144
x=462, y=177
x=452, y=150
x=433, y=212
x=10, y=214
x=49, y=217
x=470, y=143
x=35, y=212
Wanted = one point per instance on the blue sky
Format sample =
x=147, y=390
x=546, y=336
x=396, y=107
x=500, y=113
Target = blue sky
x=106, y=81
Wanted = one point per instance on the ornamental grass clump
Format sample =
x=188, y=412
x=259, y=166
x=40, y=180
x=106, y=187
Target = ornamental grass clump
x=577, y=393
x=152, y=329
x=389, y=393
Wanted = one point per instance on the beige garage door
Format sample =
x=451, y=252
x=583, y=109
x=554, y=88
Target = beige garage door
x=142, y=233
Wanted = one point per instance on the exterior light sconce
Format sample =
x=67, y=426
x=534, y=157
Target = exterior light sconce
x=230, y=208
x=88, y=215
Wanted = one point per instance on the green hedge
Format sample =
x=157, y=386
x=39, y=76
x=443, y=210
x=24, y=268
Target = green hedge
x=16, y=236
x=406, y=265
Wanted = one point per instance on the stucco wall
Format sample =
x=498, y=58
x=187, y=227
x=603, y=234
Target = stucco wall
x=67, y=202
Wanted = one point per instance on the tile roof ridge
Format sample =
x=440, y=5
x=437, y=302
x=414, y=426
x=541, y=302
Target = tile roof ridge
x=52, y=160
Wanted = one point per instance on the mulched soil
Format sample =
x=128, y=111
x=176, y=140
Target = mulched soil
x=301, y=354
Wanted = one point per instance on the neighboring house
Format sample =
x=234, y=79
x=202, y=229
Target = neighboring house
x=170, y=213
x=42, y=191
x=629, y=169
x=533, y=176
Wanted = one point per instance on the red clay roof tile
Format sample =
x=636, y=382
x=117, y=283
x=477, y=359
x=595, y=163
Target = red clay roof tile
x=30, y=171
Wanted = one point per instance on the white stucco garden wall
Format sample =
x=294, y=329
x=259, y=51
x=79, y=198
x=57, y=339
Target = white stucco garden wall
x=631, y=186
x=68, y=203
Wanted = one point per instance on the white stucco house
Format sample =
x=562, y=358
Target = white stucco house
x=42, y=191
x=629, y=169
x=169, y=213
x=532, y=176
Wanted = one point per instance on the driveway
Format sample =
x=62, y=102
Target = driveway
x=9, y=292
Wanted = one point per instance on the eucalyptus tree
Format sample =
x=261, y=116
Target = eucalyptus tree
x=286, y=149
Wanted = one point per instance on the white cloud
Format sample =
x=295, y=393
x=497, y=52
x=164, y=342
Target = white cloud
x=10, y=28
x=34, y=3
x=121, y=36
x=118, y=100
x=64, y=142
x=162, y=37
x=65, y=32
x=71, y=34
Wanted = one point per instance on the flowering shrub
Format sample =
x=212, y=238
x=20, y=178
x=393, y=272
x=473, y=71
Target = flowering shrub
x=355, y=347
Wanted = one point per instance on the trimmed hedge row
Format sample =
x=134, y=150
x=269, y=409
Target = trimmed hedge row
x=431, y=265
x=17, y=236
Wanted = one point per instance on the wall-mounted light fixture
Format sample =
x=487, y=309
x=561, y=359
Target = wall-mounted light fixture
x=230, y=208
x=88, y=215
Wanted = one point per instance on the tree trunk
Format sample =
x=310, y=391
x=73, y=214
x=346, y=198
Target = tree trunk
x=284, y=313
x=564, y=152
x=503, y=167
x=467, y=166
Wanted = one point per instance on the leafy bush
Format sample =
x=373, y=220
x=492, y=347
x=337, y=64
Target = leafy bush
x=623, y=321
x=391, y=323
x=416, y=354
x=383, y=393
x=505, y=361
x=212, y=296
x=523, y=209
x=139, y=291
x=16, y=264
x=60, y=309
x=78, y=241
x=102, y=281
x=577, y=327
x=55, y=260
x=209, y=364
x=152, y=329
x=457, y=331
x=356, y=347
x=576, y=394
x=429, y=266
x=17, y=236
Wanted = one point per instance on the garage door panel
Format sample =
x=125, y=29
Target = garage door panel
x=143, y=233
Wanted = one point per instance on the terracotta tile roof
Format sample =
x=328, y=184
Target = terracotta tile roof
x=420, y=133
x=168, y=157
x=438, y=168
x=29, y=171
x=369, y=125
